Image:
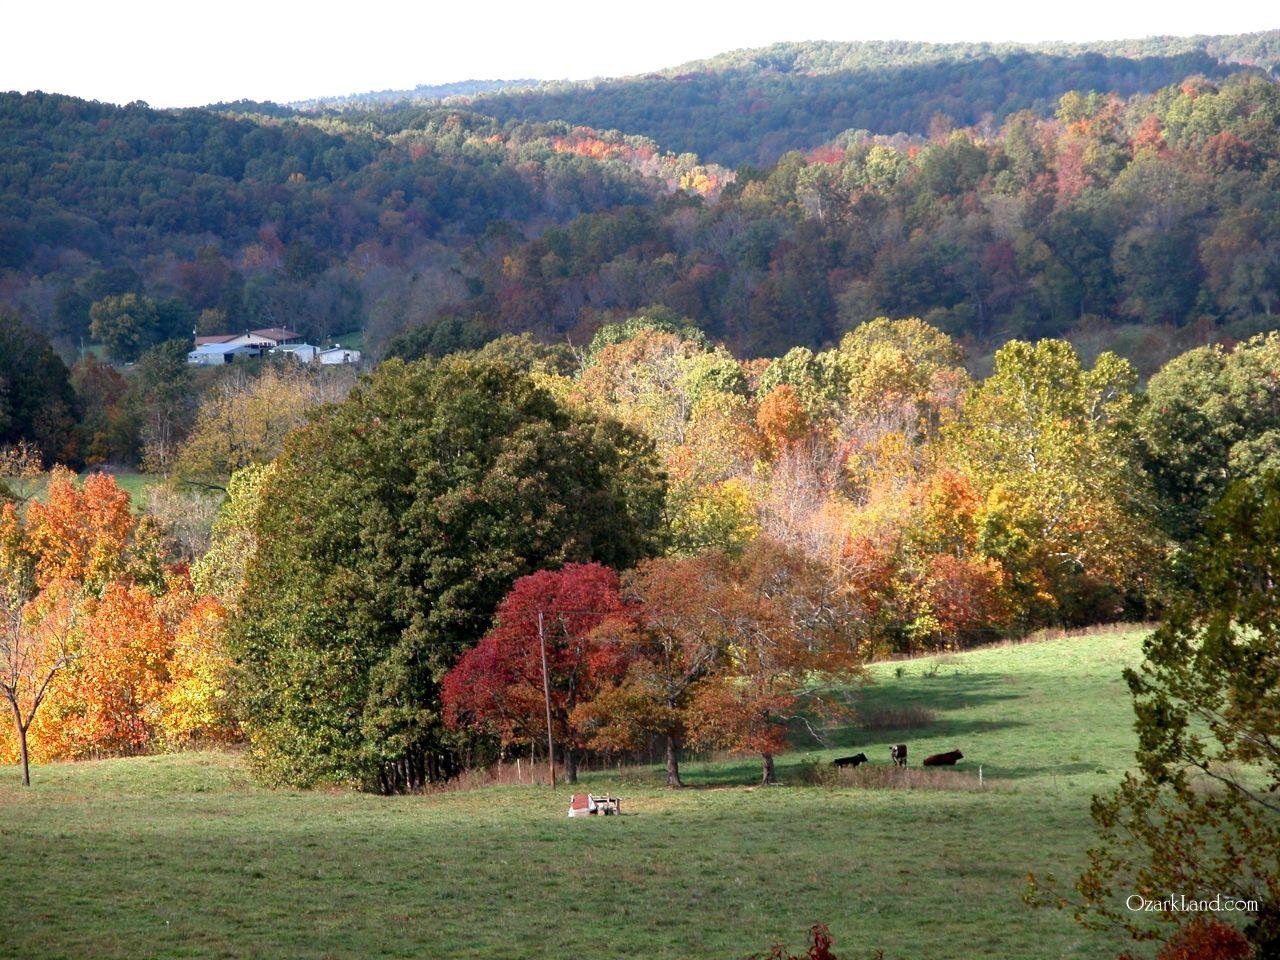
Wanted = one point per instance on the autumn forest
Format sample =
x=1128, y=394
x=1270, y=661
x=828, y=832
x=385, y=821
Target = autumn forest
x=686, y=404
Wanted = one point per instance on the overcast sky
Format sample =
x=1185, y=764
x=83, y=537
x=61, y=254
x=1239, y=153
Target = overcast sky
x=179, y=53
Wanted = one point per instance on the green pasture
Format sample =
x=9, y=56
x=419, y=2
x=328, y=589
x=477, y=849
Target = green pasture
x=182, y=856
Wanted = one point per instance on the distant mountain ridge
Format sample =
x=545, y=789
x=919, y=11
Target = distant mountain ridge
x=420, y=93
x=1260, y=49
x=753, y=115
x=1001, y=192
x=751, y=106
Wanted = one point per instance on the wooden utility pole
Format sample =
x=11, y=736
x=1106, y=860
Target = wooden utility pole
x=546, y=695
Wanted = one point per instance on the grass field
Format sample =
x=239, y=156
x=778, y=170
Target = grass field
x=135, y=484
x=129, y=481
x=180, y=856
x=349, y=341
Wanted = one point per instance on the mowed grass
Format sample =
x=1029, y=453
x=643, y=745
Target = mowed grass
x=131, y=482
x=182, y=856
x=135, y=484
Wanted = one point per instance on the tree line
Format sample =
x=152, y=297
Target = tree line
x=741, y=528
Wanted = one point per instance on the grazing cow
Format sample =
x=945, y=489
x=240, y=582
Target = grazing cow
x=947, y=759
x=899, y=755
x=856, y=760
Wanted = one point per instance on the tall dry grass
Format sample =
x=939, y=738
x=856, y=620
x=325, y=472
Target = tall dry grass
x=892, y=717
x=885, y=777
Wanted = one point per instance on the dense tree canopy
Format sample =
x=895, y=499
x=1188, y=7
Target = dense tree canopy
x=1068, y=205
x=753, y=108
x=37, y=403
x=1212, y=417
x=1078, y=222
x=388, y=531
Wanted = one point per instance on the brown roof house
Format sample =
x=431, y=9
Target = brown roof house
x=278, y=336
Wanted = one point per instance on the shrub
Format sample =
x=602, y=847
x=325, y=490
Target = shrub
x=1204, y=938
x=819, y=947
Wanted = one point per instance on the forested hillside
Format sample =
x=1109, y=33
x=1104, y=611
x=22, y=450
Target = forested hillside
x=262, y=221
x=1151, y=214
x=422, y=92
x=751, y=106
x=1113, y=219
x=754, y=114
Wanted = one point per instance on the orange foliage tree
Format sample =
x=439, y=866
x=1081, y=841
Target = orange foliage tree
x=788, y=630
x=781, y=419
x=35, y=647
x=88, y=533
x=109, y=703
x=102, y=642
x=720, y=651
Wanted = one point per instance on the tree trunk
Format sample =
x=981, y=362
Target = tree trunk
x=570, y=766
x=673, y=763
x=768, y=773
x=21, y=730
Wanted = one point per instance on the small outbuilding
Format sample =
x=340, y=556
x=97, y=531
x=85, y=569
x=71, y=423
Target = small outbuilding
x=302, y=352
x=339, y=355
x=589, y=805
x=217, y=354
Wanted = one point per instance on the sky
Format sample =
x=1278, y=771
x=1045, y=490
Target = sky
x=179, y=53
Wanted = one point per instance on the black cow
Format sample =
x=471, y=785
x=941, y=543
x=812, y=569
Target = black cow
x=856, y=760
x=947, y=759
x=899, y=755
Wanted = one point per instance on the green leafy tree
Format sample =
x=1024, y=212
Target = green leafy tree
x=71, y=313
x=1068, y=510
x=37, y=403
x=440, y=337
x=388, y=531
x=1200, y=816
x=220, y=572
x=1212, y=416
x=815, y=378
x=530, y=355
x=109, y=422
x=162, y=396
x=124, y=324
x=655, y=319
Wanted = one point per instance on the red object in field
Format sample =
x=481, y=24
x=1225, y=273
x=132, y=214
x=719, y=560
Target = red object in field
x=589, y=805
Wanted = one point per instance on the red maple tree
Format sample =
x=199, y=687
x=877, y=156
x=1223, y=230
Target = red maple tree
x=497, y=686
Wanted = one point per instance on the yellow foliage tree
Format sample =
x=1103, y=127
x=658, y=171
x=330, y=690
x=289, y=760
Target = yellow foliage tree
x=194, y=706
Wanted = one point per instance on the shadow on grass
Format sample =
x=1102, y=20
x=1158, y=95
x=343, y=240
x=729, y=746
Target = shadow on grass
x=998, y=772
x=855, y=738
x=957, y=690
x=746, y=772
x=949, y=696
x=938, y=695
